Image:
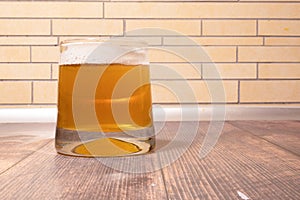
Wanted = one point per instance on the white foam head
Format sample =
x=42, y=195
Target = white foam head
x=93, y=51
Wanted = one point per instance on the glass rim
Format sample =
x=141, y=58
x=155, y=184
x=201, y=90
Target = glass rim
x=122, y=41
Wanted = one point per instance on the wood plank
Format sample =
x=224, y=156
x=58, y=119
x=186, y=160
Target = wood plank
x=46, y=174
x=17, y=141
x=240, y=162
x=285, y=134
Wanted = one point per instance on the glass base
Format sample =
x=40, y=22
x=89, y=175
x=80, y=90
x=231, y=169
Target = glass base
x=95, y=144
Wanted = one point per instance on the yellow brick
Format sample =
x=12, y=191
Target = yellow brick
x=270, y=91
x=14, y=54
x=193, y=54
x=148, y=40
x=229, y=27
x=282, y=41
x=55, y=69
x=279, y=27
x=25, y=71
x=175, y=71
x=13, y=92
x=28, y=40
x=24, y=27
x=269, y=54
x=27, y=106
x=215, y=89
x=51, y=9
x=161, y=94
x=87, y=27
x=279, y=70
x=185, y=27
x=45, y=54
x=213, y=40
x=229, y=71
x=194, y=91
x=200, y=10
x=163, y=55
x=45, y=92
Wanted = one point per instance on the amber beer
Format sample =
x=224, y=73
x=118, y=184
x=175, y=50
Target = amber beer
x=115, y=133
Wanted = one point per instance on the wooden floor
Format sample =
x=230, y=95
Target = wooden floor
x=251, y=160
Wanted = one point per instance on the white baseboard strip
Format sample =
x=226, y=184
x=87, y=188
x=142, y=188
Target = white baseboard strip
x=169, y=113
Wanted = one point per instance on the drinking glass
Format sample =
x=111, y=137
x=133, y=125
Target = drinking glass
x=104, y=99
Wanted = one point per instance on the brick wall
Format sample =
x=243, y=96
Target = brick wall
x=255, y=46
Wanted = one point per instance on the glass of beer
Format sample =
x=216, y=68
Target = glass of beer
x=104, y=99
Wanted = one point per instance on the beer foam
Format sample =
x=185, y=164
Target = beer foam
x=105, y=52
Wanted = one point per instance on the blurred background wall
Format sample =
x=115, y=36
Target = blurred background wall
x=255, y=46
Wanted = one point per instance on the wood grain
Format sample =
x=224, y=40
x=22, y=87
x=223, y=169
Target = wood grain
x=240, y=162
x=17, y=141
x=63, y=177
x=285, y=134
